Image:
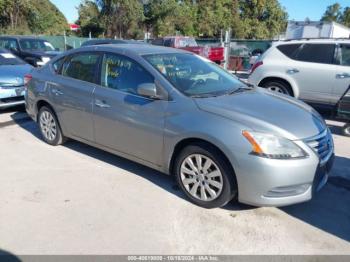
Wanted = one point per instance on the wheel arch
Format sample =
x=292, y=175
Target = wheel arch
x=180, y=145
x=42, y=102
x=289, y=82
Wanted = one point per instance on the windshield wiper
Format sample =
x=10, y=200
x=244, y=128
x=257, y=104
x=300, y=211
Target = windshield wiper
x=238, y=90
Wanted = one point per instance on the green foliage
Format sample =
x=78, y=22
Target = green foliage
x=31, y=17
x=89, y=19
x=262, y=19
x=122, y=18
x=335, y=13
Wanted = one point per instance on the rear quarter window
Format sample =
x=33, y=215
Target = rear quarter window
x=289, y=50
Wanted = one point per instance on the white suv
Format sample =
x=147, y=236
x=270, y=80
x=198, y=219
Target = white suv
x=316, y=71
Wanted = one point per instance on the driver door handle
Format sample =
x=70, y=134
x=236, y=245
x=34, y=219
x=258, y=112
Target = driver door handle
x=343, y=75
x=101, y=104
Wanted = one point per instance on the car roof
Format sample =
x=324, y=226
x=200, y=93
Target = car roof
x=21, y=37
x=106, y=41
x=136, y=49
x=314, y=41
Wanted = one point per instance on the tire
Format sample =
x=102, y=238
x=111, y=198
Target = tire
x=346, y=130
x=279, y=87
x=193, y=182
x=49, y=127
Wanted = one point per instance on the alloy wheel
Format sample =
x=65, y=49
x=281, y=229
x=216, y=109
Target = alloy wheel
x=48, y=125
x=201, y=177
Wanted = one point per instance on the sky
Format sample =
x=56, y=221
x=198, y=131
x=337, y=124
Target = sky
x=297, y=9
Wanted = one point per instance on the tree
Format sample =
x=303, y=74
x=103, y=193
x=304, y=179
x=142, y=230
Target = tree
x=31, y=16
x=89, y=19
x=214, y=16
x=122, y=18
x=262, y=19
x=345, y=17
x=167, y=17
x=332, y=14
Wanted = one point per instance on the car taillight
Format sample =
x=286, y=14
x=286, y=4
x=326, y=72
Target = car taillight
x=27, y=78
x=255, y=66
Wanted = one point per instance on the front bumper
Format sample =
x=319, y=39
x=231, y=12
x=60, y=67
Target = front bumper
x=272, y=182
x=11, y=97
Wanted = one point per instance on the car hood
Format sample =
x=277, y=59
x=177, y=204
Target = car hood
x=264, y=111
x=12, y=75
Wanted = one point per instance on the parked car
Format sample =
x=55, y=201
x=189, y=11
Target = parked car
x=12, y=78
x=316, y=71
x=215, y=54
x=109, y=41
x=171, y=111
x=33, y=50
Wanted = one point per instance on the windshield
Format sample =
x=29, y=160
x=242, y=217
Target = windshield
x=194, y=77
x=7, y=58
x=36, y=45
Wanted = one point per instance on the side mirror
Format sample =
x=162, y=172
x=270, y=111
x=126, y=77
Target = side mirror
x=148, y=90
x=13, y=49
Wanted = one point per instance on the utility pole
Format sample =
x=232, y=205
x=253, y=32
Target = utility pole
x=227, y=46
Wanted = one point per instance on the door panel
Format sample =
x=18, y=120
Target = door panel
x=124, y=121
x=72, y=92
x=73, y=103
x=314, y=72
x=342, y=73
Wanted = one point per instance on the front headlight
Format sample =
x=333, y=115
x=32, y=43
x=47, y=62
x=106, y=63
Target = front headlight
x=271, y=146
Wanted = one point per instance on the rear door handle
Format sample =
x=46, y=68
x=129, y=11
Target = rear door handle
x=292, y=71
x=101, y=104
x=57, y=92
x=342, y=76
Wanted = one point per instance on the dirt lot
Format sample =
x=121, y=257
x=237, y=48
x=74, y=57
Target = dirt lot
x=75, y=199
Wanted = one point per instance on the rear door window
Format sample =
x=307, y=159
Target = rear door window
x=317, y=53
x=345, y=55
x=81, y=66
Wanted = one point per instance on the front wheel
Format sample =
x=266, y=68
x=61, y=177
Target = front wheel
x=346, y=130
x=204, y=176
x=49, y=127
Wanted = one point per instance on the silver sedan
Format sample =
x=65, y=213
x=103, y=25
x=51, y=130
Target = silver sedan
x=174, y=112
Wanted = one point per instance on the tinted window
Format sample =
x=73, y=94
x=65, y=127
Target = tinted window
x=57, y=65
x=121, y=73
x=167, y=42
x=345, y=55
x=36, y=44
x=8, y=44
x=317, y=53
x=81, y=66
x=289, y=50
x=158, y=41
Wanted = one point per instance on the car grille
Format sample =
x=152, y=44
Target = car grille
x=322, y=145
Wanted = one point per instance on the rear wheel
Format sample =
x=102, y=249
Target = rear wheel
x=204, y=176
x=346, y=130
x=279, y=87
x=49, y=127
